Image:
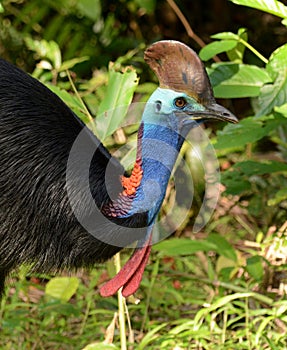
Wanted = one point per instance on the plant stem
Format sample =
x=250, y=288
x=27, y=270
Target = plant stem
x=121, y=307
x=92, y=122
x=252, y=49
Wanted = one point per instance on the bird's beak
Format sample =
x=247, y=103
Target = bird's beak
x=212, y=111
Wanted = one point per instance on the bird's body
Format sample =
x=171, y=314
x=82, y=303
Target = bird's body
x=47, y=218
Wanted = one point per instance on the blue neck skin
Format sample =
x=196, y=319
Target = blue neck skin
x=159, y=143
x=159, y=150
x=160, y=138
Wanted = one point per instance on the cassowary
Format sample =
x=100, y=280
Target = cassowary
x=65, y=202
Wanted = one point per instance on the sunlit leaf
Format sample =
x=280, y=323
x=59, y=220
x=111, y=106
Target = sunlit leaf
x=46, y=49
x=177, y=247
x=274, y=7
x=113, y=108
x=215, y=48
x=225, y=36
x=230, y=80
x=90, y=8
x=72, y=62
x=62, y=288
x=272, y=95
x=279, y=197
x=275, y=94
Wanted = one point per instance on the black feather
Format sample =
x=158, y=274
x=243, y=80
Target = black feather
x=37, y=223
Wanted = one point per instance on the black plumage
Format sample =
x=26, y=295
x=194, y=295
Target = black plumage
x=37, y=224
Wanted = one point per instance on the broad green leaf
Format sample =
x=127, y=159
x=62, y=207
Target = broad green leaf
x=113, y=108
x=248, y=130
x=177, y=247
x=223, y=247
x=215, y=48
x=250, y=167
x=274, y=7
x=273, y=95
x=90, y=8
x=62, y=288
x=277, y=61
x=237, y=178
x=230, y=80
x=254, y=267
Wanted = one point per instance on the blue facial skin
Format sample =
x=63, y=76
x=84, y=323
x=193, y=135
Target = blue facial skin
x=162, y=138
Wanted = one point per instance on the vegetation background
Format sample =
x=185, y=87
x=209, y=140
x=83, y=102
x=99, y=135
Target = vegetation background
x=223, y=287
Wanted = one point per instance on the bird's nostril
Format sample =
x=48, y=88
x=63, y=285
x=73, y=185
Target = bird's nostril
x=158, y=106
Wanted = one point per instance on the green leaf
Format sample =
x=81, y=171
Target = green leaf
x=71, y=63
x=215, y=48
x=277, y=61
x=248, y=130
x=236, y=55
x=250, y=167
x=237, y=178
x=223, y=247
x=282, y=110
x=273, y=95
x=279, y=197
x=254, y=267
x=230, y=80
x=177, y=247
x=225, y=36
x=62, y=288
x=90, y=8
x=148, y=5
x=274, y=7
x=72, y=102
x=113, y=108
x=46, y=49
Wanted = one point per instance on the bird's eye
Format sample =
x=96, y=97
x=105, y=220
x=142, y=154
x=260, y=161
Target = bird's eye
x=180, y=102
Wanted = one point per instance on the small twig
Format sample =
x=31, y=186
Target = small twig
x=187, y=27
x=92, y=122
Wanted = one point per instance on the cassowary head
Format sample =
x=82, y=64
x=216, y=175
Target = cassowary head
x=184, y=97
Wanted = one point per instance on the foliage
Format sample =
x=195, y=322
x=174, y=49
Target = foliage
x=205, y=289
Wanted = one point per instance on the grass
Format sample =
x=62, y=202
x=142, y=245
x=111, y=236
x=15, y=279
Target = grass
x=180, y=308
